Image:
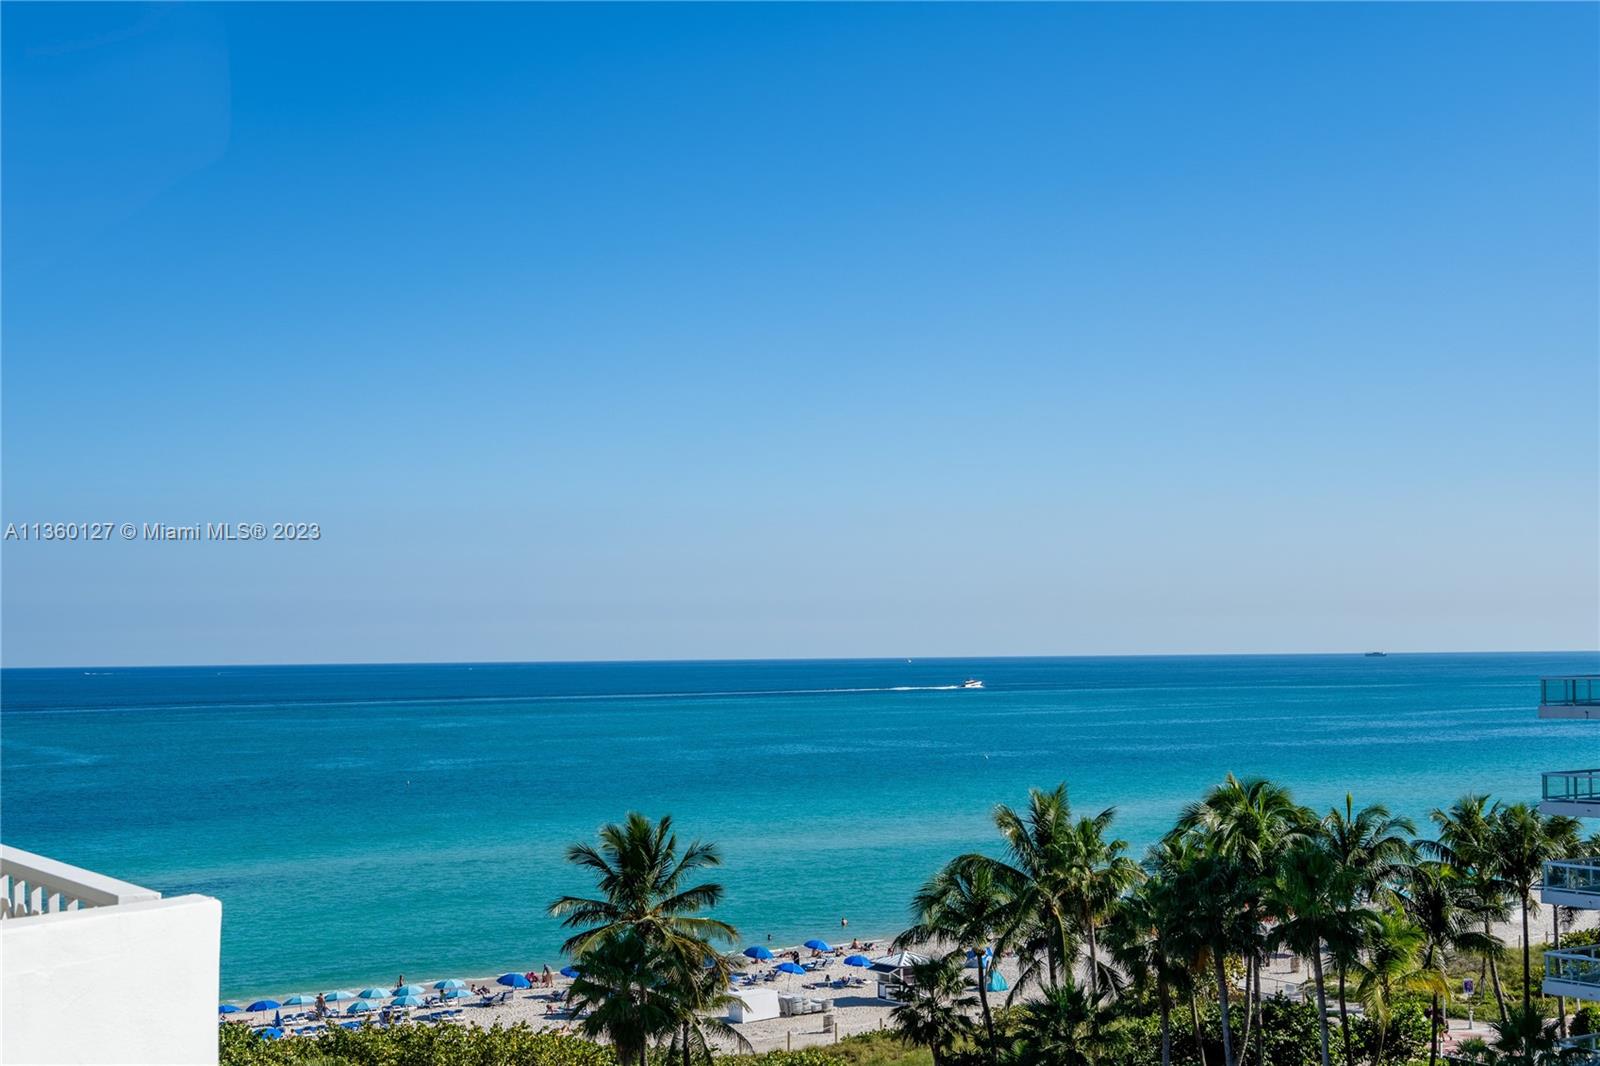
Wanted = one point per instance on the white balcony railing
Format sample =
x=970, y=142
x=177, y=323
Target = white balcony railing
x=1585, y=1050
x=32, y=885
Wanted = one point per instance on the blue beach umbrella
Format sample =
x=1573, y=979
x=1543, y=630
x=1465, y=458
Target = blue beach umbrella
x=570, y=971
x=818, y=945
x=228, y=1008
x=857, y=960
x=997, y=981
x=406, y=1001
x=757, y=952
x=358, y=1007
x=409, y=990
x=450, y=983
x=264, y=1004
x=337, y=995
x=270, y=1033
x=454, y=993
x=299, y=999
x=374, y=993
x=515, y=980
x=791, y=967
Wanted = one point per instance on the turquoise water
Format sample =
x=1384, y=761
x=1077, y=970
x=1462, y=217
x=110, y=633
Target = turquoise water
x=362, y=821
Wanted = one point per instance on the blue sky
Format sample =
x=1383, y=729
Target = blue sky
x=651, y=331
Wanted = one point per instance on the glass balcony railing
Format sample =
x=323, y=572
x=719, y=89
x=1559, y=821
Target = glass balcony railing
x=1573, y=875
x=1578, y=966
x=1572, y=786
x=1581, y=691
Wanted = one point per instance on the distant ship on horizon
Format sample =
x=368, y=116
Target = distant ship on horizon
x=1377, y=655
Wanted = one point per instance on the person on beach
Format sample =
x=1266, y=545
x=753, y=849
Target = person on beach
x=322, y=1005
x=548, y=978
x=400, y=982
x=843, y=922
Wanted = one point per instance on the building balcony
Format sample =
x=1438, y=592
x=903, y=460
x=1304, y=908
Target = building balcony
x=1572, y=792
x=1586, y=1050
x=1570, y=697
x=1573, y=972
x=64, y=929
x=1572, y=883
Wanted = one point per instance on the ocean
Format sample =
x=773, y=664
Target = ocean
x=358, y=822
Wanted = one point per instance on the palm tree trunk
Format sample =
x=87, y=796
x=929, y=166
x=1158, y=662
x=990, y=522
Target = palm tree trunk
x=1222, y=1006
x=1344, y=1021
x=1249, y=1010
x=1194, y=1020
x=1555, y=943
x=1322, y=1002
x=1527, y=958
x=1494, y=980
x=983, y=1000
x=1166, y=1021
x=1094, y=957
x=1383, y=1035
x=686, y=1061
x=1433, y=1032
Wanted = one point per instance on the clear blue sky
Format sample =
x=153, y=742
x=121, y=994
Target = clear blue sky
x=592, y=332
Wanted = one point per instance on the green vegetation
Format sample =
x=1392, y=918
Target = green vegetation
x=1153, y=963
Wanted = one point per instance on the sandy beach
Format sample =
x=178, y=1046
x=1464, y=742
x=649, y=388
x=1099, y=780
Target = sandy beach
x=852, y=1009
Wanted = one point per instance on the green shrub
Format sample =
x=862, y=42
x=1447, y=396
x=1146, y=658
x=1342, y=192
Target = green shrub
x=1585, y=1021
x=414, y=1045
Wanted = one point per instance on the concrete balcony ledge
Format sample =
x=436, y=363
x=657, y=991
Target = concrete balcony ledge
x=67, y=932
x=1572, y=883
x=1573, y=972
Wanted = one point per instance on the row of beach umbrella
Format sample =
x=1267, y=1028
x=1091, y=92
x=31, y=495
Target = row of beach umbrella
x=404, y=996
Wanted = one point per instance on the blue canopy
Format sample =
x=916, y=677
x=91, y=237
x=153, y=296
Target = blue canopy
x=819, y=945
x=264, y=1004
x=406, y=1001
x=757, y=952
x=570, y=971
x=997, y=981
x=515, y=980
x=857, y=960
x=409, y=990
x=228, y=1008
x=791, y=967
x=338, y=994
x=374, y=993
x=359, y=1006
x=450, y=983
x=270, y=1033
x=299, y=999
x=453, y=993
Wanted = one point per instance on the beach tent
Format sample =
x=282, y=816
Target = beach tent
x=894, y=973
x=752, y=1004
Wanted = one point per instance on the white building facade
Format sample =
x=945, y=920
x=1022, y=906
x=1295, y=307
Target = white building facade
x=1572, y=972
x=97, y=970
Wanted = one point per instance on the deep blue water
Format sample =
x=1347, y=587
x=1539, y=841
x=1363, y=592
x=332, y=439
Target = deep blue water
x=361, y=821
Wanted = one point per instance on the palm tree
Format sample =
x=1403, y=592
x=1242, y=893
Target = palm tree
x=693, y=997
x=1033, y=870
x=966, y=905
x=933, y=1013
x=1466, y=843
x=1249, y=823
x=625, y=993
x=1391, y=967
x=1439, y=904
x=1524, y=1039
x=1174, y=864
x=1307, y=897
x=1219, y=916
x=1068, y=1027
x=1524, y=840
x=642, y=882
x=1096, y=873
x=1370, y=849
x=1146, y=945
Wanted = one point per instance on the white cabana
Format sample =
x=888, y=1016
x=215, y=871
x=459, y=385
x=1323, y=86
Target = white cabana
x=894, y=973
x=752, y=1004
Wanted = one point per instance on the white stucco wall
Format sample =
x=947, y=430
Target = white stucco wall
x=131, y=983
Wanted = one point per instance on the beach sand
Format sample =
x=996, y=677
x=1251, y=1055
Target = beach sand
x=854, y=1010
